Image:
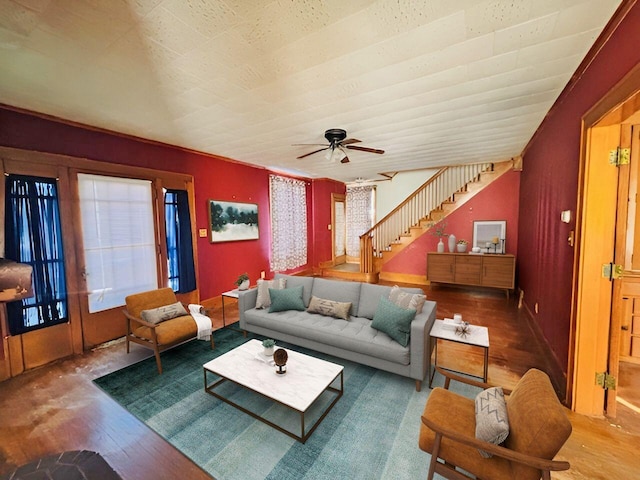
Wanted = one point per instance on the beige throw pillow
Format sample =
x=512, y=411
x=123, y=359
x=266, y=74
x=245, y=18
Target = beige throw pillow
x=329, y=308
x=407, y=300
x=160, y=314
x=264, y=300
x=492, y=422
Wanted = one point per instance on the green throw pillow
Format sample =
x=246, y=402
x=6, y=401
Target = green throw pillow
x=286, y=299
x=394, y=321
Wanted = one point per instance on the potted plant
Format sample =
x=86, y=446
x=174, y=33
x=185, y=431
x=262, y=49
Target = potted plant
x=268, y=345
x=243, y=281
x=462, y=246
x=438, y=231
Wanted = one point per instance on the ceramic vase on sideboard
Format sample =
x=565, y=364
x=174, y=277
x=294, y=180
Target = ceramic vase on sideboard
x=440, y=246
x=452, y=243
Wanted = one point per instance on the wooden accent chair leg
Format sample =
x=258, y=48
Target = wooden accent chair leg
x=126, y=341
x=418, y=385
x=156, y=352
x=434, y=456
x=213, y=343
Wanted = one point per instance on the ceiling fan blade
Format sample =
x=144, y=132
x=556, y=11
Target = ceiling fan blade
x=311, y=153
x=365, y=149
x=310, y=145
x=345, y=160
x=348, y=141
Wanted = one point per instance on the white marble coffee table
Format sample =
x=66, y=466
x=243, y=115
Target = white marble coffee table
x=306, y=379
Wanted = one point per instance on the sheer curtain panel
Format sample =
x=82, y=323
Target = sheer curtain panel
x=119, y=239
x=360, y=215
x=288, y=223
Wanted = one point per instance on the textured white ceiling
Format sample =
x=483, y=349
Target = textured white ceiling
x=432, y=82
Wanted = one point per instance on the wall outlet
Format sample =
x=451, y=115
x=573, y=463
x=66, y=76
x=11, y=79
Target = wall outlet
x=262, y=275
x=329, y=227
x=202, y=233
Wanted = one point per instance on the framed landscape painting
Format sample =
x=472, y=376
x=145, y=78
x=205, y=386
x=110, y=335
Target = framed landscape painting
x=232, y=221
x=485, y=233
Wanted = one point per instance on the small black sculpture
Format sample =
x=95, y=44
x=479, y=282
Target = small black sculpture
x=280, y=358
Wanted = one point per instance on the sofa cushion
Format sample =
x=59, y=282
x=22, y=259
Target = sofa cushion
x=329, y=308
x=407, y=300
x=370, y=298
x=286, y=299
x=394, y=321
x=264, y=300
x=165, y=312
x=338, y=291
x=492, y=422
x=295, y=281
x=355, y=335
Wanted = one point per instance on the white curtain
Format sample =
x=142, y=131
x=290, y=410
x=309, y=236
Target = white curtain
x=360, y=215
x=288, y=223
x=118, y=237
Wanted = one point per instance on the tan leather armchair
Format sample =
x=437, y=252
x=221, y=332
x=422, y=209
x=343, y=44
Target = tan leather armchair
x=157, y=336
x=538, y=428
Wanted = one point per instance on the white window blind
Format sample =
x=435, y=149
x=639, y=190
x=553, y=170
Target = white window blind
x=119, y=241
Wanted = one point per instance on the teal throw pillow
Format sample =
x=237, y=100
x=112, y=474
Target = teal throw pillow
x=394, y=321
x=286, y=299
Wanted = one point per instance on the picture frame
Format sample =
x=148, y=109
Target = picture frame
x=232, y=221
x=486, y=232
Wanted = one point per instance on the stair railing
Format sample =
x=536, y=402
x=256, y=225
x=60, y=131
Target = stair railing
x=416, y=207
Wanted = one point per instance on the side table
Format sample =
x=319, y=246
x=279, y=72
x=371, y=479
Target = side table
x=478, y=336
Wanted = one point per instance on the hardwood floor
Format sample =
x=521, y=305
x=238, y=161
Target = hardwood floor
x=57, y=407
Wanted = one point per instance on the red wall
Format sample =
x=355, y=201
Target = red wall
x=550, y=184
x=498, y=201
x=322, y=190
x=219, y=264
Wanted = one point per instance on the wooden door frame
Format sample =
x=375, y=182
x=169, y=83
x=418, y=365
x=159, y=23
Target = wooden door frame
x=589, y=343
x=337, y=197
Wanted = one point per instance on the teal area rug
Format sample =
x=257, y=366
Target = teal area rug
x=371, y=432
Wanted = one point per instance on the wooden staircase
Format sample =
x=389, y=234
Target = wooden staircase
x=442, y=194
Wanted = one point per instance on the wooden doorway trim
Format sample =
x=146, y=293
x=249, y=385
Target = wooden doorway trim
x=590, y=319
x=337, y=199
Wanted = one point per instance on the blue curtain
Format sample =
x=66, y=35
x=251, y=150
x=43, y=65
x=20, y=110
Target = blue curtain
x=33, y=235
x=182, y=274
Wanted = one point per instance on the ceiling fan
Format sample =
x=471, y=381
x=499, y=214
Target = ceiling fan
x=338, y=143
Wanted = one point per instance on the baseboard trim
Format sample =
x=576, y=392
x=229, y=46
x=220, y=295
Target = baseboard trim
x=552, y=364
x=403, y=278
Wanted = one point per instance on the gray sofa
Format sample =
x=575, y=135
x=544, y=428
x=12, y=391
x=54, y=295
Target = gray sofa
x=354, y=339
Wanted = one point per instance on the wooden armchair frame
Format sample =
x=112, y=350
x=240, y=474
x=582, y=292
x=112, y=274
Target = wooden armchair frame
x=442, y=430
x=152, y=343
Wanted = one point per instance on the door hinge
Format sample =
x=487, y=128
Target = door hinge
x=606, y=381
x=619, y=156
x=612, y=271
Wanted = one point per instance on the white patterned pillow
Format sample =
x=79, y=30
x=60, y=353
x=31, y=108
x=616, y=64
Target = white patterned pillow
x=264, y=300
x=492, y=422
x=330, y=308
x=407, y=300
x=160, y=314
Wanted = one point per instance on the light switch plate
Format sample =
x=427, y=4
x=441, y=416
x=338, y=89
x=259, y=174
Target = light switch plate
x=565, y=216
x=202, y=233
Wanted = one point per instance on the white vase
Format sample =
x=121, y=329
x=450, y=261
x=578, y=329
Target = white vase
x=440, y=246
x=452, y=242
x=244, y=285
x=268, y=351
x=462, y=247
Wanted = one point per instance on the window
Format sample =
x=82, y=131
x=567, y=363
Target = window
x=288, y=223
x=119, y=238
x=34, y=236
x=182, y=275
